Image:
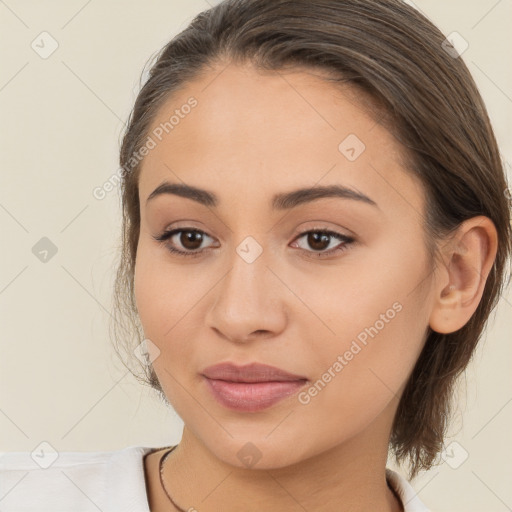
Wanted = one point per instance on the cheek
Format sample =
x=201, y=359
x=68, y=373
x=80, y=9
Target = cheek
x=379, y=316
x=361, y=375
x=170, y=302
x=366, y=283
x=164, y=295
x=163, y=292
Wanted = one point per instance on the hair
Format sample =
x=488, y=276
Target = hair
x=394, y=57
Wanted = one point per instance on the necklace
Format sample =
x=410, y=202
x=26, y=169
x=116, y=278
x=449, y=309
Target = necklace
x=164, y=456
x=162, y=460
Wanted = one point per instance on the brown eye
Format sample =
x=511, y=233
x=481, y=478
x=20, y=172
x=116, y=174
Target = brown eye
x=317, y=241
x=191, y=240
x=186, y=242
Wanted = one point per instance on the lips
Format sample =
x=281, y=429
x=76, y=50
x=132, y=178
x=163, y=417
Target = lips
x=254, y=372
x=250, y=388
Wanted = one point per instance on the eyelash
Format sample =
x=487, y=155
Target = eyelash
x=347, y=241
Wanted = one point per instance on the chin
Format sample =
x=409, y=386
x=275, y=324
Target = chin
x=259, y=452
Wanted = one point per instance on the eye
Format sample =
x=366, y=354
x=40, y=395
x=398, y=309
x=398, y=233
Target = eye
x=189, y=239
x=319, y=240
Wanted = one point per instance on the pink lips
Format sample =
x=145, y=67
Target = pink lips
x=252, y=387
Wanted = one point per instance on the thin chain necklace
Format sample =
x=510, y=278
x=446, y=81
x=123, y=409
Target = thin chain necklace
x=162, y=459
x=164, y=456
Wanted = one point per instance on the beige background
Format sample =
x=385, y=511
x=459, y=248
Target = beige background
x=61, y=120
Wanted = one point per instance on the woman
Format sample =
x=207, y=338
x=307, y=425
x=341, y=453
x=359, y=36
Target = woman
x=315, y=232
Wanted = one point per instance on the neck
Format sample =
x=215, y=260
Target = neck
x=197, y=480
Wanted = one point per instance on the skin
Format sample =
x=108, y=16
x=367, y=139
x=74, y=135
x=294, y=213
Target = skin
x=252, y=135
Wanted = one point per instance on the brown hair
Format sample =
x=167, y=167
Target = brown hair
x=393, y=55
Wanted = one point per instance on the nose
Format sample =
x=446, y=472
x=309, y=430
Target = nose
x=249, y=302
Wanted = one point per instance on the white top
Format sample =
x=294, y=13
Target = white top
x=109, y=481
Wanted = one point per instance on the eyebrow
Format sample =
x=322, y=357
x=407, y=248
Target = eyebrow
x=281, y=201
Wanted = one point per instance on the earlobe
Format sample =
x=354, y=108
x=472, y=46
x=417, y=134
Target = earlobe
x=468, y=260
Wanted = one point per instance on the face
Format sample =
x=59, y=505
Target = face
x=327, y=285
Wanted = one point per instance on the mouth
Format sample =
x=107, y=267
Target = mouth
x=254, y=372
x=251, y=388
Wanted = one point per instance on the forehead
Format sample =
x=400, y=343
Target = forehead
x=255, y=131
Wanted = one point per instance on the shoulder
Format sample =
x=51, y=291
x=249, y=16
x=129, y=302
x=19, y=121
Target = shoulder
x=78, y=481
x=407, y=494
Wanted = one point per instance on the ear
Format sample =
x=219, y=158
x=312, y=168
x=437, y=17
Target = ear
x=459, y=286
